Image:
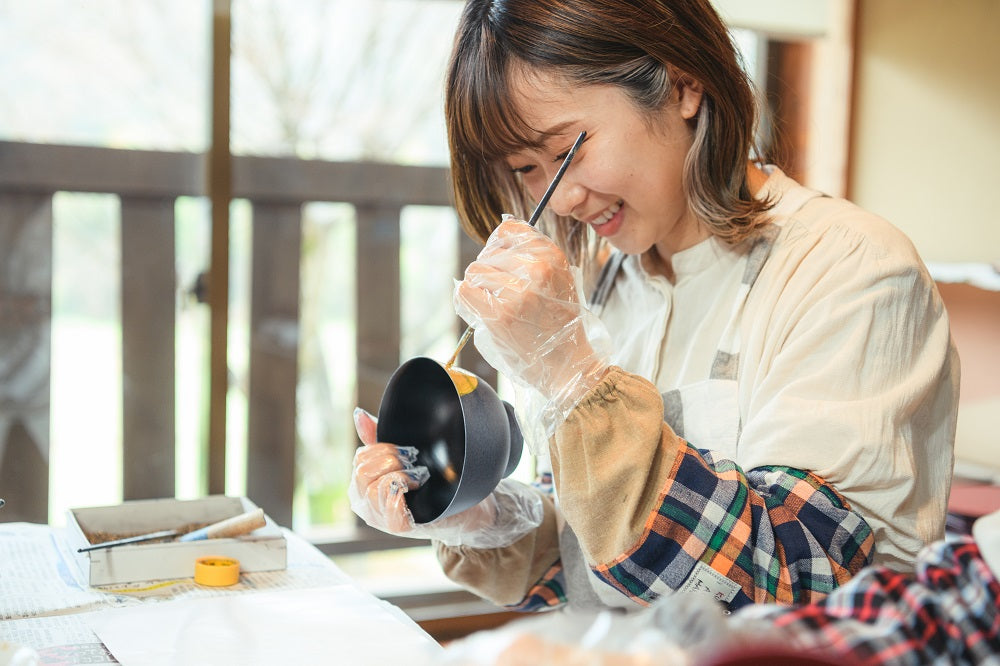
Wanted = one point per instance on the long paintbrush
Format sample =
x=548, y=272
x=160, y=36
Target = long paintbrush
x=532, y=221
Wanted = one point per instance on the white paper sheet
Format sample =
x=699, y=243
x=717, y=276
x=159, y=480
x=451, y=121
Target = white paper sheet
x=331, y=625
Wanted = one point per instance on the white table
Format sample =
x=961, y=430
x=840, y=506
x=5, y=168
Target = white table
x=293, y=616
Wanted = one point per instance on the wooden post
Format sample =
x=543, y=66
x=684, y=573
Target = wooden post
x=148, y=288
x=220, y=193
x=25, y=354
x=378, y=329
x=274, y=359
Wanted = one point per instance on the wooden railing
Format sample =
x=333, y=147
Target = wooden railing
x=148, y=184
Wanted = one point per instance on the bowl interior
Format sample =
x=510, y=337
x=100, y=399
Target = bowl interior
x=422, y=408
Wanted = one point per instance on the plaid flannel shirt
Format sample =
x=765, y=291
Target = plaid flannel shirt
x=782, y=534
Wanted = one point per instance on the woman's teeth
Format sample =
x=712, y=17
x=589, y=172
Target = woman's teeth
x=608, y=214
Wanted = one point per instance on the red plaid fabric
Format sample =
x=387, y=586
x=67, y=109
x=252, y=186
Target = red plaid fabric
x=945, y=612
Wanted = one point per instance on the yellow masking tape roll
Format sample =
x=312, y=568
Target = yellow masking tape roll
x=216, y=571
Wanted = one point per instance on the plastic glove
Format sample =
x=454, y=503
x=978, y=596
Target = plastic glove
x=687, y=632
x=525, y=303
x=13, y=654
x=384, y=473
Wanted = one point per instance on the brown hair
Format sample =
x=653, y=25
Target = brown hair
x=628, y=43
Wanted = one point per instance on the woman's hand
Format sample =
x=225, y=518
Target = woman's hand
x=521, y=297
x=528, y=650
x=384, y=473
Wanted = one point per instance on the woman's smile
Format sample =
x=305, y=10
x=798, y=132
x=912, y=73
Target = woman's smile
x=609, y=221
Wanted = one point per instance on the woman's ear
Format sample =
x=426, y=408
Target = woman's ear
x=689, y=92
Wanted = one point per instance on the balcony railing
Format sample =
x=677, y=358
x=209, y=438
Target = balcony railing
x=148, y=184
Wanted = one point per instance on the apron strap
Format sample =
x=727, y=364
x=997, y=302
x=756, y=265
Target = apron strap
x=606, y=279
x=726, y=363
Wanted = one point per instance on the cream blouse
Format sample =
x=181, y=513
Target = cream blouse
x=845, y=365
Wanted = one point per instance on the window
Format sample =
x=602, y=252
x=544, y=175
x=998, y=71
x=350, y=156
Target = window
x=337, y=81
x=319, y=88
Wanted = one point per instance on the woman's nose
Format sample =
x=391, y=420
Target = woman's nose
x=567, y=197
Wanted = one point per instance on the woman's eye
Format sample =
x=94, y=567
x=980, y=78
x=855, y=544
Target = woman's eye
x=523, y=169
x=562, y=156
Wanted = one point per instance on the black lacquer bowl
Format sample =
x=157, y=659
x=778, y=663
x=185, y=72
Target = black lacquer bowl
x=465, y=435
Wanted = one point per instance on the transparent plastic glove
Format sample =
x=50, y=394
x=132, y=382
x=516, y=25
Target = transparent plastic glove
x=384, y=473
x=525, y=302
x=14, y=654
x=688, y=632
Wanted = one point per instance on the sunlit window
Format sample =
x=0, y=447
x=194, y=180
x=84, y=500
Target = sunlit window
x=341, y=80
x=332, y=80
x=115, y=74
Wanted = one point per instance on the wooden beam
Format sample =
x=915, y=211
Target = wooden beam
x=40, y=168
x=365, y=183
x=809, y=92
x=146, y=181
x=789, y=68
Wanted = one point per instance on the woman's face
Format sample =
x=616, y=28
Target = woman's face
x=625, y=180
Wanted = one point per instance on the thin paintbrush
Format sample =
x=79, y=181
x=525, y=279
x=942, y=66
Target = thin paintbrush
x=230, y=527
x=531, y=221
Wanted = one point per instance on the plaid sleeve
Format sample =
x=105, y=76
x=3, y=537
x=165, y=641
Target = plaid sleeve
x=945, y=612
x=547, y=594
x=775, y=534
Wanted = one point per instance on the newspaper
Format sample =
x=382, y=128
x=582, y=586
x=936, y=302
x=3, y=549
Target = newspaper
x=46, y=604
x=58, y=639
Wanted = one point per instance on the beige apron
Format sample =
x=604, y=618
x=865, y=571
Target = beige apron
x=705, y=413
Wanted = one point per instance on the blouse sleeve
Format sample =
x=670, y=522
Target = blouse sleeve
x=653, y=514
x=850, y=372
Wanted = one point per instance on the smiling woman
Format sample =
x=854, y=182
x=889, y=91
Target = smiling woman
x=735, y=408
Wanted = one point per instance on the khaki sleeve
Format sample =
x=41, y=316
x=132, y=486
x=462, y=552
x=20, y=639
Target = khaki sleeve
x=504, y=575
x=610, y=461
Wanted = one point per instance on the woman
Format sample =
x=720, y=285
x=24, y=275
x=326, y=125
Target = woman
x=779, y=406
